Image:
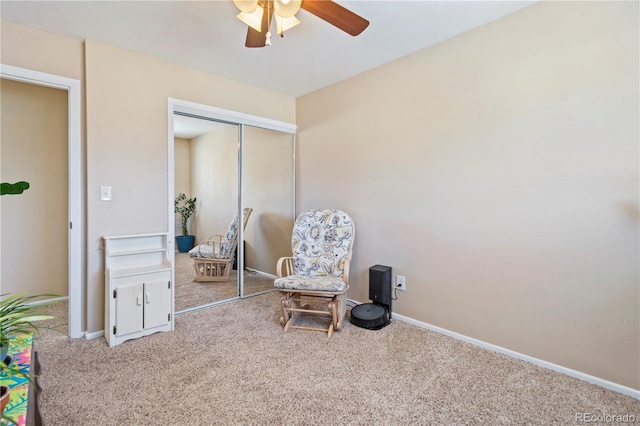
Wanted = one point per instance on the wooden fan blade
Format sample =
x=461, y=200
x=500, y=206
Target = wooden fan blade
x=336, y=15
x=258, y=38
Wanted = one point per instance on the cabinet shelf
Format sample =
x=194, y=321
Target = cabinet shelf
x=134, y=252
x=139, y=270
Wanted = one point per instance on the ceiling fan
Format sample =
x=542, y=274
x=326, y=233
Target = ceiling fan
x=257, y=14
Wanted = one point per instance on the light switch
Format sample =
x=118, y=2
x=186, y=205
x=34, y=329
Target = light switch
x=105, y=193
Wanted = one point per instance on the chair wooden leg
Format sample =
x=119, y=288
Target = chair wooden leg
x=283, y=312
x=285, y=304
x=341, y=310
x=293, y=304
x=334, y=314
x=290, y=322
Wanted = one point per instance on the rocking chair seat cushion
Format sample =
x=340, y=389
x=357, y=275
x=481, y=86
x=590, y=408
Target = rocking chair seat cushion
x=311, y=283
x=206, y=251
x=225, y=245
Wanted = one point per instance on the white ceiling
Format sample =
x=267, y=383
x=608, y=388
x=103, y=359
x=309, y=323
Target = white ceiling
x=206, y=35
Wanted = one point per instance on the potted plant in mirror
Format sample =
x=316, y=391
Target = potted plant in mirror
x=186, y=207
x=17, y=319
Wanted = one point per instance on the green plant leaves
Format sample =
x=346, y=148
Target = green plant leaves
x=13, y=188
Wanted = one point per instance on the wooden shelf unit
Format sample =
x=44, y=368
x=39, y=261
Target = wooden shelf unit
x=139, y=291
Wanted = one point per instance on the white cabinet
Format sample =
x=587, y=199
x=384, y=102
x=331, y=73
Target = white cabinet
x=138, y=288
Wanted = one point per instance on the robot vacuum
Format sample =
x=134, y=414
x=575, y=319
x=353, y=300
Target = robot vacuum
x=375, y=315
x=370, y=315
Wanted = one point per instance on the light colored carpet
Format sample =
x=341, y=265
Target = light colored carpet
x=232, y=364
x=190, y=293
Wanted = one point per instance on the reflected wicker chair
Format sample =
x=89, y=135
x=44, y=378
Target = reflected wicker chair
x=213, y=257
x=315, y=280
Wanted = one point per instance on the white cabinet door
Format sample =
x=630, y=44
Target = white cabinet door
x=129, y=309
x=157, y=303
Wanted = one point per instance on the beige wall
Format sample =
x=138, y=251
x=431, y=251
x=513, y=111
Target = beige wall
x=214, y=180
x=498, y=171
x=36, y=50
x=182, y=173
x=34, y=224
x=127, y=142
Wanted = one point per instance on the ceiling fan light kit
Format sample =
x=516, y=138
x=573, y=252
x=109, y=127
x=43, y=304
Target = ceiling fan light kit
x=253, y=19
x=286, y=8
x=257, y=14
x=284, y=24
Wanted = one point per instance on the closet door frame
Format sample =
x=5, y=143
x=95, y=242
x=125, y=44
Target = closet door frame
x=231, y=117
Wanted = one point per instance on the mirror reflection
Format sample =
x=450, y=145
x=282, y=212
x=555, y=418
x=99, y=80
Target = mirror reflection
x=268, y=185
x=206, y=155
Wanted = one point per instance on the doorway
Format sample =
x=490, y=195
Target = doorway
x=32, y=114
x=74, y=223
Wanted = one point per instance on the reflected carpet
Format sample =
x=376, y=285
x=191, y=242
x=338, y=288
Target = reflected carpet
x=190, y=293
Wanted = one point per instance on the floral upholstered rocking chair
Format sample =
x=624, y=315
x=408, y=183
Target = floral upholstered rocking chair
x=315, y=280
x=212, y=258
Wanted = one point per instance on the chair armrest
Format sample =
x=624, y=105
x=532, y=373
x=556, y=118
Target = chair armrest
x=214, y=240
x=345, y=273
x=214, y=237
x=285, y=263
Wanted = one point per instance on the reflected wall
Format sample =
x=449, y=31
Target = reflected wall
x=214, y=180
x=268, y=176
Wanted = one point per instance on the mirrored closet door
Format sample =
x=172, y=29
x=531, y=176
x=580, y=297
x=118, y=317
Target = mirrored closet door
x=268, y=188
x=230, y=167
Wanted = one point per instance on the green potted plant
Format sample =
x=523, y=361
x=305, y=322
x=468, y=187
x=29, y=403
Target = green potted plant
x=186, y=207
x=17, y=317
x=5, y=389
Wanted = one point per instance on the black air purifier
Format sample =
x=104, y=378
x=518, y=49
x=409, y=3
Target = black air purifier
x=377, y=314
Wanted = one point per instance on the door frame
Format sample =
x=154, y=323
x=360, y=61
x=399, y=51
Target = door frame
x=75, y=198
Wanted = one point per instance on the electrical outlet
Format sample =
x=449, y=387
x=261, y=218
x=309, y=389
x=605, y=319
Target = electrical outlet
x=400, y=283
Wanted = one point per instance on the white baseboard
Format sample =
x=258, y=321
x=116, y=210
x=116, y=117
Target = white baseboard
x=48, y=301
x=634, y=393
x=261, y=273
x=93, y=334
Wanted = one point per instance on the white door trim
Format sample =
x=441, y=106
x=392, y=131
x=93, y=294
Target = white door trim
x=76, y=220
x=234, y=117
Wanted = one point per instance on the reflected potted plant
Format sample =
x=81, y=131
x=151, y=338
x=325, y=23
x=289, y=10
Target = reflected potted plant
x=186, y=207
